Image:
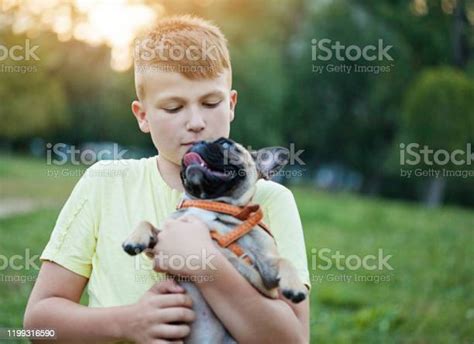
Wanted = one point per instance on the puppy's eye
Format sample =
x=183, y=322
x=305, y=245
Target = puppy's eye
x=211, y=105
x=173, y=110
x=226, y=144
x=223, y=140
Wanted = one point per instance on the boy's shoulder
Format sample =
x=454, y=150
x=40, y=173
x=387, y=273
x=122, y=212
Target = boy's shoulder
x=268, y=191
x=123, y=168
x=109, y=174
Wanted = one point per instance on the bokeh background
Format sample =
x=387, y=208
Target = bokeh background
x=75, y=87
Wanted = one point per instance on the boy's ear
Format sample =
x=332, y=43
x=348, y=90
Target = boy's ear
x=140, y=115
x=233, y=103
x=270, y=160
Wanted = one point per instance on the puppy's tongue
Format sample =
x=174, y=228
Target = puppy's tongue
x=193, y=158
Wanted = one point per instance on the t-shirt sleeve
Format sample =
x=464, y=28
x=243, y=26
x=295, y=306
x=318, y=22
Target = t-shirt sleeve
x=284, y=221
x=73, y=239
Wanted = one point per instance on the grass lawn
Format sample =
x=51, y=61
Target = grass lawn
x=427, y=297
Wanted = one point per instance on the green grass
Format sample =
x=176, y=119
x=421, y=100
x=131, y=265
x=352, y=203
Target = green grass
x=427, y=299
x=32, y=178
x=428, y=296
x=49, y=186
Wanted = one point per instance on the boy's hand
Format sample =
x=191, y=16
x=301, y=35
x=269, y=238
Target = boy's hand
x=185, y=247
x=161, y=314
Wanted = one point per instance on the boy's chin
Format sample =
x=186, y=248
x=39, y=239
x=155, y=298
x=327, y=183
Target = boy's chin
x=173, y=159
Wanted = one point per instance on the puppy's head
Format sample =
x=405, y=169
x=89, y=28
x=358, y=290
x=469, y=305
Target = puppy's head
x=224, y=170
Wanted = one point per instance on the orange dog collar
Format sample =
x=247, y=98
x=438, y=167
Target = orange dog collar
x=251, y=215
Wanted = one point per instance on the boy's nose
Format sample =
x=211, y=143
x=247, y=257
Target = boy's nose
x=196, y=122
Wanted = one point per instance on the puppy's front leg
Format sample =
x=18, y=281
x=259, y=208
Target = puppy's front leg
x=144, y=237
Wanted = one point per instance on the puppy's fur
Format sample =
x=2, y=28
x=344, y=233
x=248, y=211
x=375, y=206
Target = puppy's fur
x=224, y=171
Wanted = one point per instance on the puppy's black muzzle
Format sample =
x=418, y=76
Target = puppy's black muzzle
x=219, y=156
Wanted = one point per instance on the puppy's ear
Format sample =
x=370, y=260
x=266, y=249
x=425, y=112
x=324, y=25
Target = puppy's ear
x=270, y=160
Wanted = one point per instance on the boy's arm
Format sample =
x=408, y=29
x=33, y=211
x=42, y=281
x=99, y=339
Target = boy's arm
x=54, y=304
x=249, y=316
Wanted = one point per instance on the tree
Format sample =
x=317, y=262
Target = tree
x=32, y=102
x=439, y=112
x=348, y=118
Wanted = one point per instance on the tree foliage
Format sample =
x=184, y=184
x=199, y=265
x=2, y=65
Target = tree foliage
x=439, y=109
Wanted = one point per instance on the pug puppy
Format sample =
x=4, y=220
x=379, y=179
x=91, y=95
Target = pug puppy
x=224, y=171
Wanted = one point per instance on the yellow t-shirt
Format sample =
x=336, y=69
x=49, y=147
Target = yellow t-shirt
x=112, y=197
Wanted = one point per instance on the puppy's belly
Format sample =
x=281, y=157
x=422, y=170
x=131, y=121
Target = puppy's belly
x=206, y=328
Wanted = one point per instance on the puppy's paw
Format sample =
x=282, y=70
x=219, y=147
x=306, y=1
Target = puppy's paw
x=294, y=295
x=144, y=237
x=133, y=249
x=290, y=285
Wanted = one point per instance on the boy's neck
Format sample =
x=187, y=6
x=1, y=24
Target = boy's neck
x=169, y=171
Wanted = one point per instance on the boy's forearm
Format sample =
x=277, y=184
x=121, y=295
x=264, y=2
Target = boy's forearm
x=247, y=315
x=75, y=323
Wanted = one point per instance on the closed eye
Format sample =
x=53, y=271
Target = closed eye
x=212, y=105
x=173, y=110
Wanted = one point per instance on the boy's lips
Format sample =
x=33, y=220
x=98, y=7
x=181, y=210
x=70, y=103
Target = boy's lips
x=189, y=143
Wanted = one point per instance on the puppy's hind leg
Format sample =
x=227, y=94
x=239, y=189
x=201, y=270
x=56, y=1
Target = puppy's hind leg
x=144, y=237
x=268, y=267
x=290, y=284
x=251, y=274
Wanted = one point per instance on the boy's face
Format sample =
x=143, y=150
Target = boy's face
x=178, y=111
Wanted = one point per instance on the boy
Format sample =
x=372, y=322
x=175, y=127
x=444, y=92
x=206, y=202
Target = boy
x=183, y=84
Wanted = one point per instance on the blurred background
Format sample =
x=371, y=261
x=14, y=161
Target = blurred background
x=66, y=81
